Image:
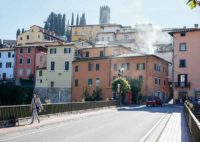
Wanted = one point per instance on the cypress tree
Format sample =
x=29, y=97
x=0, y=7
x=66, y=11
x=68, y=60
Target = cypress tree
x=18, y=33
x=63, y=24
x=77, y=20
x=23, y=30
x=59, y=24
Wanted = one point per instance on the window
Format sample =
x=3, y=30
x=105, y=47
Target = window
x=182, y=63
x=13, y=55
x=87, y=54
x=52, y=84
x=27, y=37
x=140, y=78
x=90, y=66
x=89, y=82
x=20, y=72
x=38, y=36
x=66, y=65
x=155, y=80
x=182, y=78
x=9, y=54
x=101, y=53
x=8, y=65
x=115, y=67
x=182, y=47
x=157, y=67
x=0, y=65
x=52, y=66
x=76, y=83
x=20, y=61
x=164, y=82
x=28, y=61
x=182, y=34
x=67, y=50
x=141, y=66
x=29, y=50
x=53, y=51
x=76, y=68
x=40, y=80
x=97, y=82
x=125, y=66
x=21, y=51
x=159, y=81
x=40, y=73
x=0, y=55
x=97, y=67
x=28, y=72
x=20, y=38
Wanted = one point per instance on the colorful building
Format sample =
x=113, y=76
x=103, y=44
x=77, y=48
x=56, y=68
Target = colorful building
x=186, y=61
x=7, y=63
x=91, y=72
x=53, y=83
x=28, y=59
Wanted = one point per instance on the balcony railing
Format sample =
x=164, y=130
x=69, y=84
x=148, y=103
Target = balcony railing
x=182, y=84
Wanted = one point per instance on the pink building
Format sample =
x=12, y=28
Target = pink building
x=28, y=59
x=186, y=58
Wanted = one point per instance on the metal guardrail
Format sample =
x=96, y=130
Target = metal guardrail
x=20, y=111
x=193, y=124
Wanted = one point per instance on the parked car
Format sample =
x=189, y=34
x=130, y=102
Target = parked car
x=154, y=101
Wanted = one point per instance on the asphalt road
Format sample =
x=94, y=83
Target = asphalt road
x=128, y=124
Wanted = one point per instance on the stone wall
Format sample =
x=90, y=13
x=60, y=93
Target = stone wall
x=54, y=95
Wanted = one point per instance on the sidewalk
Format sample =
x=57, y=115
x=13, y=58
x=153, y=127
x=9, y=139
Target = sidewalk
x=176, y=129
x=53, y=119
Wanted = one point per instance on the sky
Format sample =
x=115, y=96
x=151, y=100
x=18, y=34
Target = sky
x=16, y=14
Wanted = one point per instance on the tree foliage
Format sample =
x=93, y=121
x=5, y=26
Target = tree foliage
x=95, y=96
x=72, y=20
x=18, y=33
x=193, y=3
x=124, y=85
x=56, y=22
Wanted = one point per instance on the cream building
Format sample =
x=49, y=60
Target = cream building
x=54, y=82
x=36, y=34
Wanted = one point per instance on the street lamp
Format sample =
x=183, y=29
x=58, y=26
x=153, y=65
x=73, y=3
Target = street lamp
x=118, y=91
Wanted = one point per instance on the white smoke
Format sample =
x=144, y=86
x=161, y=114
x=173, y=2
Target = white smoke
x=147, y=36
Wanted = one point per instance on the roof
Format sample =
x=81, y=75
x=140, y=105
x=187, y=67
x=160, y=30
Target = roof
x=100, y=25
x=139, y=55
x=179, y=30
x=105, y=33
x=7, y=49
x=9, y=42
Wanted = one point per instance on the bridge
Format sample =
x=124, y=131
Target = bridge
x=117, y=124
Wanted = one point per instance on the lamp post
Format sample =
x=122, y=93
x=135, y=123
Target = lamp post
x=118, y=90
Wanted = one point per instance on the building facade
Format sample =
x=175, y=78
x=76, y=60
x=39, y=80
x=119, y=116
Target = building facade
x=185, y=59
x=102, y=70
x=28, y=59
x=54, y=82
x=7, y=63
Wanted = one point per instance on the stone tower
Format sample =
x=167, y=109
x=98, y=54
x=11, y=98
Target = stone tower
x=104, y=15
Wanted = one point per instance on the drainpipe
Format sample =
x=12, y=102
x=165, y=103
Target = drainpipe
x=173, y=83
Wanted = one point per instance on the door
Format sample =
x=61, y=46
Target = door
x=4, y=76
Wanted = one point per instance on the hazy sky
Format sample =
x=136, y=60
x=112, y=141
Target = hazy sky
x=16, y=14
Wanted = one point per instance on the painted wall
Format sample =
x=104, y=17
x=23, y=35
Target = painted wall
x=7, y=71
x=192, y=61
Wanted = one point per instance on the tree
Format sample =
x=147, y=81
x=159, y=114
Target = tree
x=77, y=20
x=136, y=86
x=23, y=30
x=72, y=20
x=193, y=3
x=63, y=24
x=0, y=42
x=18, y=33
x=83, y=20
x=124, y=87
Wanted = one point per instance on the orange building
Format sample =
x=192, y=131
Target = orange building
x=186, y=59
x=96, y=72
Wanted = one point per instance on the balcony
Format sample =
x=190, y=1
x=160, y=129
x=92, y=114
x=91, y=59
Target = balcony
x=182, y=84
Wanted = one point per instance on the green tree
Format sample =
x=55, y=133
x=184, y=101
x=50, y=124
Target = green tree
x=77, y=20
x=193, y=3
x=124, y=87
x=136, y=86
x=63, y=24
x=18, y=33
x=0, y=42
x=23, y=30
x=72, y=20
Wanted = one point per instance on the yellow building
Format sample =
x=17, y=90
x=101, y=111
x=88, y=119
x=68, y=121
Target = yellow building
x=86, y=32
x=54, y=82
x=35, y=34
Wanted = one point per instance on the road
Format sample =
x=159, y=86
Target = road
x=128, y=124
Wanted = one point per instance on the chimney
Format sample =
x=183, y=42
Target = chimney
x=196, y=25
